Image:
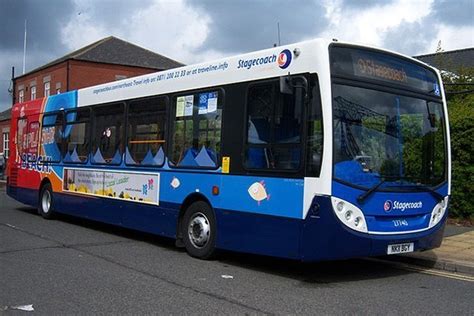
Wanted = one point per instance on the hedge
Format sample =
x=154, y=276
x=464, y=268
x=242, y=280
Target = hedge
x=461, y=119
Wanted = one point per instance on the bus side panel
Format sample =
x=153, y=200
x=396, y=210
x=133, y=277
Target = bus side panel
x=142, y=217
x=23, y=175
x=24, y=195
x=258, y=234
x=89, y=207
x=161, y=220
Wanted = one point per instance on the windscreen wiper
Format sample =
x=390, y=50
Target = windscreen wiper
x=433, y=193
x=361, y=198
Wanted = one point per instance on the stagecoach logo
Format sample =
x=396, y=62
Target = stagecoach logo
x=402, y=206
x=387, y=206
x=284, y=59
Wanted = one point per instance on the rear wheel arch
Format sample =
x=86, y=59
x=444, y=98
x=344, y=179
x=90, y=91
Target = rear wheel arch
x=188, y=201
x=46, y=199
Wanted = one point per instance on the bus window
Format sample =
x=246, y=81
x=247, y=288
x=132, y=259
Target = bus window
x=108, y=134
x=274, y=123
x=314, y=143
x=32, y=140
x=146, y=132
x=21, y=136
x=51, y=136
x=197, y=129
x=76, y=136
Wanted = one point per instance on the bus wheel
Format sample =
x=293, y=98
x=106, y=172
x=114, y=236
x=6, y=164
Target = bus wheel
x=45, y=207
x=199, y=230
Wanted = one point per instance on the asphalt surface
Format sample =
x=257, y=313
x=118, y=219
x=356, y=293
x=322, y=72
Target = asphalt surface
x=72, y=266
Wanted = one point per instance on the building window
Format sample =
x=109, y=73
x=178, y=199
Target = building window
x=47, y=88
x=21, y=96
x=58, y=91
x=58, y=87
x=5, y=144
x=33, y=92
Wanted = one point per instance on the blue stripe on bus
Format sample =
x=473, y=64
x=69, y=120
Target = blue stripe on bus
x=275, y=196
x=318, y=237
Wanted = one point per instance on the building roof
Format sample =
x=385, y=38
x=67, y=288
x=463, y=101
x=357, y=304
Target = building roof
x=112, y=50
x=6, y=115
x=451, y=60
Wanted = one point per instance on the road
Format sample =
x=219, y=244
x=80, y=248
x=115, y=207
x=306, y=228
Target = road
x=72, y=266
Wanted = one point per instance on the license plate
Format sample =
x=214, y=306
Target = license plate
x=400, y=248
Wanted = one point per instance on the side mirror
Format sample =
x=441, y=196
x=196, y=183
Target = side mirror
x=286, y=87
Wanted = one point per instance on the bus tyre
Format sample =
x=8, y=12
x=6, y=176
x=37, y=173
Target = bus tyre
x=45, y=207
x=199, y=230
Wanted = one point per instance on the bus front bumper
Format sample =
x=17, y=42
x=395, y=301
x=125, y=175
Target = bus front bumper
x=324, y=237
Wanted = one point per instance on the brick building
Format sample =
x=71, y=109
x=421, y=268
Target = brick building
x=103, y=61
x=4, y=131
x=452, y=61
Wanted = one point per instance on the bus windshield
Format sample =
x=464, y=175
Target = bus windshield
x=386, y=138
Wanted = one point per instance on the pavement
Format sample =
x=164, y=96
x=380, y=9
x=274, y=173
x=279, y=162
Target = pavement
x=456, y=253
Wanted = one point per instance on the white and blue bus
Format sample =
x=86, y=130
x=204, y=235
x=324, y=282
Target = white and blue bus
x=318, y=150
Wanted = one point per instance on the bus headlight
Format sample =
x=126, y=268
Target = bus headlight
x=438, y=212
x=349, y=214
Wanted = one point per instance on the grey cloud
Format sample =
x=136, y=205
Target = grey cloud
x=112, y=13
x=458, y=13
x=44, y=21
x=43, y=38
x=250, y=25
x=411, y=38
x=362, y=4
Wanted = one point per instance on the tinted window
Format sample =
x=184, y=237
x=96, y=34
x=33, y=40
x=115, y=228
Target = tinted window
x=146, y=132
x=76, y=136
x=273, y=127
x=382, y=67
x=108, y=134
x=380, y=135
x=32, y=140
x=197, y=129
x=314, y=143
x=52, y=136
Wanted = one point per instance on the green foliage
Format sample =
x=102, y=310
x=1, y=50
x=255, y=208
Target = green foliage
x=461, y=118
x=460, y=97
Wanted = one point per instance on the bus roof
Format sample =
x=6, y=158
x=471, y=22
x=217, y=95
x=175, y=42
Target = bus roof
x=302, y=57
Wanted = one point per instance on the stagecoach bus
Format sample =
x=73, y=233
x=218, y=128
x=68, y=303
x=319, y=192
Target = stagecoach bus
x=318, y=150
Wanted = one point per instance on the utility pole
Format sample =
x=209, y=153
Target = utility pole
x=278, y=26
x=13, y=86
x=24, y=50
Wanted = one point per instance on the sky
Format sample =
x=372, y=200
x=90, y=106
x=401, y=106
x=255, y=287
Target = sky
x=193, y=31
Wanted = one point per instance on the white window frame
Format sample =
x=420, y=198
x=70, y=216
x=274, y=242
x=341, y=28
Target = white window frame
x=47, y=88
x=21, y=96
x=33, y=92
x=6, y=140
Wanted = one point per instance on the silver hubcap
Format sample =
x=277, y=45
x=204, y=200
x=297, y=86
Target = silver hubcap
x=46, y=201
x=199, y=230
